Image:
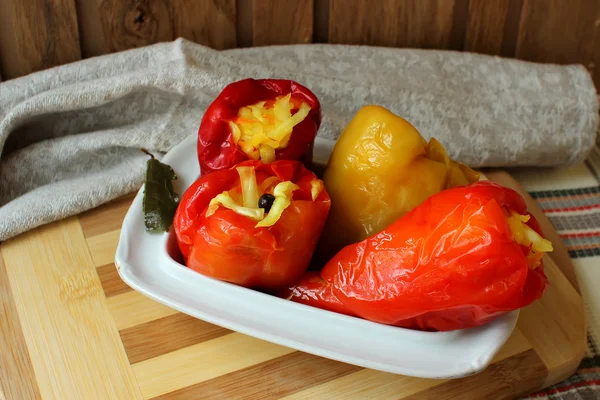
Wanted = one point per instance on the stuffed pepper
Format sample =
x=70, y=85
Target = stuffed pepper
x=381, y=168
x=258, y=119
x=255, y=225
x=460, y=259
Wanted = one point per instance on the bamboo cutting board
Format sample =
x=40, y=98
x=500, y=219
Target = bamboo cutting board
x=71, y=329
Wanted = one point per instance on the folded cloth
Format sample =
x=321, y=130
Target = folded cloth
x=70, y=136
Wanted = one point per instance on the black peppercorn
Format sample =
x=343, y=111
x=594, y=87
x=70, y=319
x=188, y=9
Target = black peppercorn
x=266, y=201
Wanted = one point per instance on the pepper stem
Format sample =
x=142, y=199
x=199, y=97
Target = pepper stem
x=147, y=152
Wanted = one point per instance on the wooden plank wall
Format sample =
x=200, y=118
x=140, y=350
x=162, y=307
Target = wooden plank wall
x=38, y=34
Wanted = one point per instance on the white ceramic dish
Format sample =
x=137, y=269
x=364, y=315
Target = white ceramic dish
x=145, y=264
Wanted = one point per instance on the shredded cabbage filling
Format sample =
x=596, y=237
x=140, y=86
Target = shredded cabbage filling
x=251, y=193
x=524, y=235
x=262, y=128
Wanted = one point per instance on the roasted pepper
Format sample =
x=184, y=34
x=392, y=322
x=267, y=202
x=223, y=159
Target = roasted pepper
x=381, y=168
x=255, y=225
x=264, y=119
x=460, y=259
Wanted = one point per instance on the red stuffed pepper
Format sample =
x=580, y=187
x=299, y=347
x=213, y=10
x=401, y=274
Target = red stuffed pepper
x=255, y=225
x=462, y=258
x=264, y=119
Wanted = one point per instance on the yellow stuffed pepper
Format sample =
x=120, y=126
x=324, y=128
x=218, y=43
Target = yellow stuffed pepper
x=381, y=168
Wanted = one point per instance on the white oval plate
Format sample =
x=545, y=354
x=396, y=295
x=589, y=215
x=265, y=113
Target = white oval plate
x=145, y=264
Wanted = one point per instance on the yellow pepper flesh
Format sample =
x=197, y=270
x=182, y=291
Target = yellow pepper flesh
x=381, y=168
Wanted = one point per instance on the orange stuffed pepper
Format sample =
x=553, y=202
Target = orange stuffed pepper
x=255, y=225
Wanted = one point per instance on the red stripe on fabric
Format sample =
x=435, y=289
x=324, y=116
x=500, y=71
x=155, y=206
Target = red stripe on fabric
x=563, y=389
x=568, y=209
x=583, y=247
x=565, y=196
x=588, y=370
x=581, y=234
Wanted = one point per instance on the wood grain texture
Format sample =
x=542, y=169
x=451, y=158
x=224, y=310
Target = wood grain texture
x=73, y=343
x=133, y=308
x=107, y=26
x=208, y=22
x=511, y=28
x=243, y=22
x=410, y=23
x=37, y=34
x=368, y=383
x=135, y=23
x=102, y=247
x=106, y=218
x=17, y=379
x=517, y=343
x=203, y=361
x=321, y=21
x=282, y=22
x=485, y=27
x=111, y=282
x=91, y=31
x=273, y=379
x=167, y=334
x=594, y=64
x=559, y=341
x=458, y=32
x=551, y=31
x=507, y=379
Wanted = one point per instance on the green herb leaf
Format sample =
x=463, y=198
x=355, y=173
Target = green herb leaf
x=160, y=199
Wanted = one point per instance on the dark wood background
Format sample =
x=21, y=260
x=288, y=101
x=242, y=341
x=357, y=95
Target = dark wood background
x=38, y=34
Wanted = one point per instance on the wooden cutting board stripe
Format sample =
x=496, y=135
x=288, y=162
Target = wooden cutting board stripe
x=509, y=378
x=167, y=334
x=268, y=378
x=224, y=355
x=107, y=218
x=112, y=284
x=16, y=371
x=73, y=343
x=167, y=354
x=132, y=308
x=561, y=350
x=322, y=379
x=389, y=385
x=101, y=247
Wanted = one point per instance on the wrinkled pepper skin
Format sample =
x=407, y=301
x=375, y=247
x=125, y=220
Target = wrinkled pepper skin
x=450, y=263
x=381, y=168
x=217, y=149
x=229, y=247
